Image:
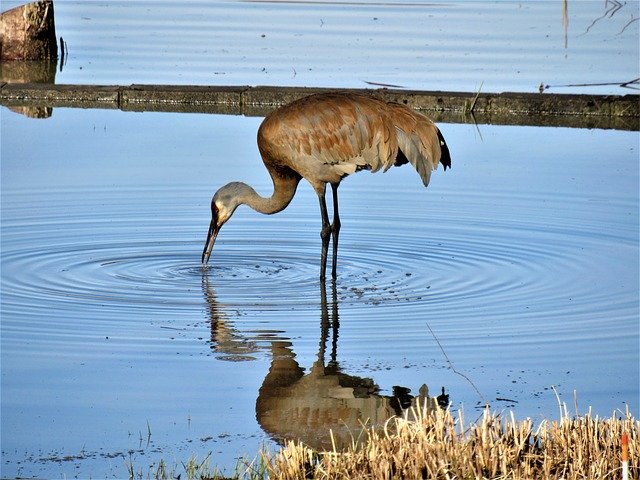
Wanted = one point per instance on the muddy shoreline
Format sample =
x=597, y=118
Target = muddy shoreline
x=621, y=112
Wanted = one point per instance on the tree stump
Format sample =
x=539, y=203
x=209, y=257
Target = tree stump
x=28, y=32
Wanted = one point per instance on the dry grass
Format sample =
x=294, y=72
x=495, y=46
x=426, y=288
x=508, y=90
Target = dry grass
x=436, y=444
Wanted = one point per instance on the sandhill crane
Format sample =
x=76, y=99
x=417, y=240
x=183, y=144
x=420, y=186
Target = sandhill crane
x=323, y=138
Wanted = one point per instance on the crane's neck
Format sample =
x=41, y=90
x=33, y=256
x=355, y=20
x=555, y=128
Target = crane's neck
x=284, y=188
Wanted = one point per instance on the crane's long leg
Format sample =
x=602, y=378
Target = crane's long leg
x=335, y=229
x=324, y=235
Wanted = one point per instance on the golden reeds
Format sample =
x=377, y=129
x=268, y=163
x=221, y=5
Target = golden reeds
x=435, y=444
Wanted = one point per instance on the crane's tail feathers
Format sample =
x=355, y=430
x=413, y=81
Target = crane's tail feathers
x=422, y=149
x=419, y=141
x=415, y=152
x=445, y=156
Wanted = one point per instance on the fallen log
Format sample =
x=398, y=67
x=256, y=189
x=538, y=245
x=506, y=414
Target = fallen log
x=620, y=112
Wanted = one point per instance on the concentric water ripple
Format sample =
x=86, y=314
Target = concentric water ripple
x=459, y=263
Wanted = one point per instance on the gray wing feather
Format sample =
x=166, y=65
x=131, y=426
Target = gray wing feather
x=418, y=156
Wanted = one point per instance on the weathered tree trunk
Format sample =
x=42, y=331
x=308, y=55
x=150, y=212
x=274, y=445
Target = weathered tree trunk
x=28, y=32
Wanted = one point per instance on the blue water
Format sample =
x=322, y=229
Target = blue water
x=513, y=274
x=448, y=45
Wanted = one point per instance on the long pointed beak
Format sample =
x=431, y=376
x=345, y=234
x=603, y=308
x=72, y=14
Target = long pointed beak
x=211, y=239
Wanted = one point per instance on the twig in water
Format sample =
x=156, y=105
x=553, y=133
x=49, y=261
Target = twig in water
x=148, y=434
x=616, y=5
x=454, y=368
x=628, y=23
x=62, y=59
x=620, y=84
x=390, y=85
x=470, y=109
x=565, y=22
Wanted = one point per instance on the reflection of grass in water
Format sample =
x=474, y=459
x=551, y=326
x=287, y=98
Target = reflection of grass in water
x=437, y=444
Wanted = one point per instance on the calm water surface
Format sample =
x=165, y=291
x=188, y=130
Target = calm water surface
x=514, y=272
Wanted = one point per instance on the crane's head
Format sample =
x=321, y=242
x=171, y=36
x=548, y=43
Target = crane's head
x=223, y=204
x=214, y=228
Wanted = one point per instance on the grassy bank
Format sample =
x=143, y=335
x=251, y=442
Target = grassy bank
x=440, y=444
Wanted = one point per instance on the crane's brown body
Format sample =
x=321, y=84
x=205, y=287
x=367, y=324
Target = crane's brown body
x=323, y=138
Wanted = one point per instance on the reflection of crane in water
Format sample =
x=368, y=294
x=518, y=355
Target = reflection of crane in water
x=326, y=407
x=295, y=405
x=225, y=340
x=323, y=138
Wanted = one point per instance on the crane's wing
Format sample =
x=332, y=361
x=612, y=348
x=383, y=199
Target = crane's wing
x=418, y=138
x=328, y=135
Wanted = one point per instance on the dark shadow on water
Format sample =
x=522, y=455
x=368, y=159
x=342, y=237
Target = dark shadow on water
x=326, y=407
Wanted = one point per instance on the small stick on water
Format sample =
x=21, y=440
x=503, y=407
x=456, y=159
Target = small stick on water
x=454, y=368
x=627, y=84
x=475, y=99
x=148, y=434
x=628, y=23
x=378, y=84
x=61, y=53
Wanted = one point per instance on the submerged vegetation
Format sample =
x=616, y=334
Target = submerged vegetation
x=438, y=444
